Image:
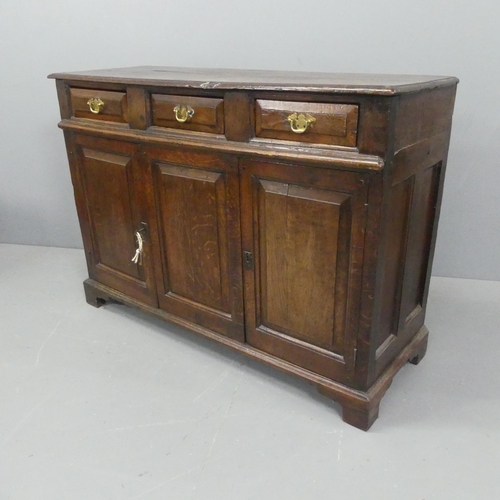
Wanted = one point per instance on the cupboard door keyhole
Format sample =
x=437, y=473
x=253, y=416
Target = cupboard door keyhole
x=248, y=260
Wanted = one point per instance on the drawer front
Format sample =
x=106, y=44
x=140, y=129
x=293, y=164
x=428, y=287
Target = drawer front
x=188, y=113
x=319, y=123
x=99, y=105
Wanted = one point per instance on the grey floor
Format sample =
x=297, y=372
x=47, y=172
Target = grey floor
x=110, y=404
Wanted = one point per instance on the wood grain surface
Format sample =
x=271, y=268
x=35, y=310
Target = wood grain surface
x=216, y=78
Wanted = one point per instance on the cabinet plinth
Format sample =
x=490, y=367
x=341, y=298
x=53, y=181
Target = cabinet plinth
x=289, y=216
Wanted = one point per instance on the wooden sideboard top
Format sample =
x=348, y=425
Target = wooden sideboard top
x=231, y=79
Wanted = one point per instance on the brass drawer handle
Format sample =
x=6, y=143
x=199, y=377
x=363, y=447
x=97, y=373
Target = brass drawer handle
x=96, y=105
x=300, y=123
x=183, y=113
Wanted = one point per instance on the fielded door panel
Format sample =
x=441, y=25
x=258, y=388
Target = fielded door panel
x=113, y=190
x=303, y=234
x=199, y=240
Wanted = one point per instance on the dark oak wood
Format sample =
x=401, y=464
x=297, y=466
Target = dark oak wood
x=64, y=97
x=325, y=158
x=305, y=230
x=237, y=79
x=239, y=116
x=94, y=298
x=208, y=114
x=309, y=252
x=197, y=202
x=335, y=124
x=139, y=108
x=112, y=198
x=419, y=354
x=414, y=189
x=361, y=418
x=114, y=110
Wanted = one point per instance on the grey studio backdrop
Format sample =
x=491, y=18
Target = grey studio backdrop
x=459, y=38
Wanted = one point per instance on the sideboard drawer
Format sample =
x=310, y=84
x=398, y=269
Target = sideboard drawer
x=319, y=123
x=201, y=114
x=99, y=105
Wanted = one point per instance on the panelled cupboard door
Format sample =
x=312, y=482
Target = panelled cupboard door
x=113, y=191
x=199, y=240
x=303, y=233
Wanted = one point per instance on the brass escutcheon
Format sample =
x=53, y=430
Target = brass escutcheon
x=300, y=123
x=183, y=113
x=96, y=105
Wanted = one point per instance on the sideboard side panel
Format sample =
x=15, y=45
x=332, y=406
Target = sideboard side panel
x=422, y=133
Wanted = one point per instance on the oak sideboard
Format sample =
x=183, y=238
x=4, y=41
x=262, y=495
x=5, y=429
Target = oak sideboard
x=290, y=216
